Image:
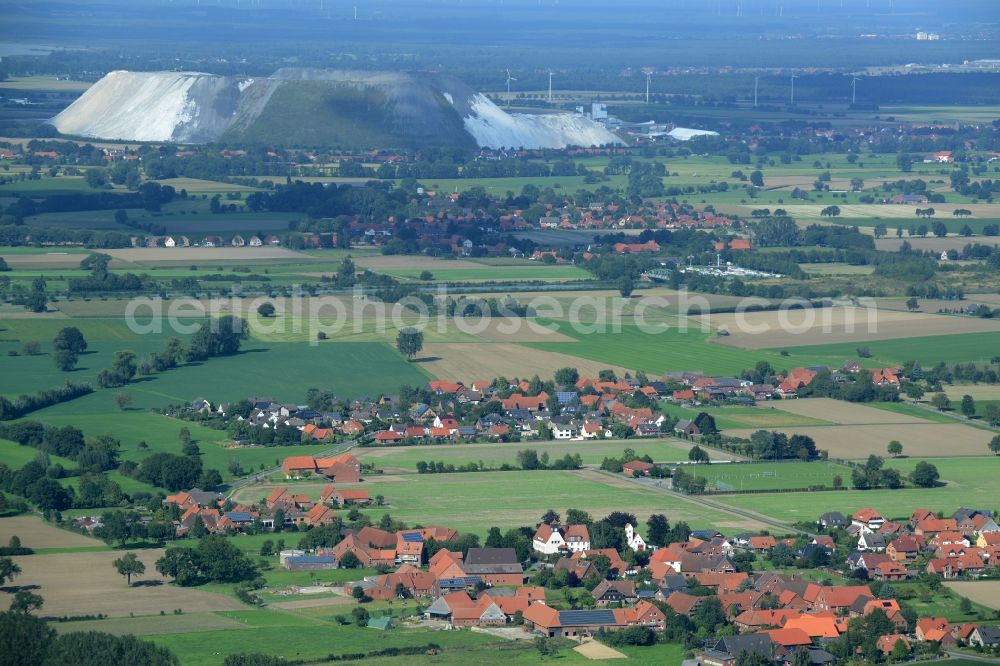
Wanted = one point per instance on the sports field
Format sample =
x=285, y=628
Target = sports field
x=769, y=476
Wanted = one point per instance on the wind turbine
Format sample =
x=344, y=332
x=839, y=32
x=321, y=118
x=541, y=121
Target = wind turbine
x=509, y=79
x=550, y=86
x=648, y=71
x=756, y=82
x=793, y=89
x=854, y=90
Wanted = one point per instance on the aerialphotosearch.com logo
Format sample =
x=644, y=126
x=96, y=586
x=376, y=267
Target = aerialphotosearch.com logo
x=315, y=318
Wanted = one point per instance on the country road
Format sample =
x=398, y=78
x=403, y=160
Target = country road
x=700, y=500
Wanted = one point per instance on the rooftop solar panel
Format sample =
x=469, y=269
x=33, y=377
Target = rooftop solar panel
x=585, y=617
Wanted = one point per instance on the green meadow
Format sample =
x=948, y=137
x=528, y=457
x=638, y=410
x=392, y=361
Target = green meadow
x=762, y=416
x=282, y=370
x=929, y=350
x=967, y=482
x=666, y=349
x=475, y=501
x=494, y=455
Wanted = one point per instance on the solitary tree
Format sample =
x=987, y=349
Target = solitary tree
x=697, y=455
x=65, y=359
x=895, y=449
x=925, y=475
x=626, y=285
x=995, y=445
x=129, y=565
x=940, y=401
x=968, y=406
x=8, y=570
x=409, y=342
x=25, y=602
x=992, y=414
x=265, y=309
x=123, y=400
x=912, y=303
x=70, y=338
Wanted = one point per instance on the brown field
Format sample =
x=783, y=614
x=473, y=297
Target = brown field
x=150, y=625
x=155, y=254
x=409, y=262
x=935, y=244
x=985, y=592
x=87, y=584
x=890, y=212
x=463, y=361
x=977, y=391
x=55, y=259
x=35, y=533
x=761, y=330
x=918, y=439
x=842, y=413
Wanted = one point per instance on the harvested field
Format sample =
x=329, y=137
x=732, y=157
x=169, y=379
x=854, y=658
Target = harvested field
x=69, y=259
x=890, y=211
x=102, y=590
x=405, y=262
x=35, y=533
x=794, y=328
x=977, y=391
x=929, y=243
x=985, y=592
x=594, y=650
x=192, y=254
x=841, y=412
x=150, y=625
x=462, y=361
x=918, y=439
